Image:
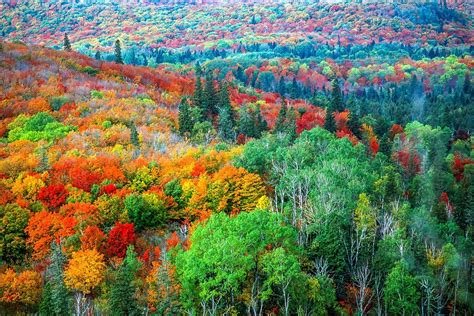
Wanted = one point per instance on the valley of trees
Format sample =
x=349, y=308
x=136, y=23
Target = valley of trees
x=296, y=161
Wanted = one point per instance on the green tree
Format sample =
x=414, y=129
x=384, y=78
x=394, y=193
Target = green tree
x=290, y=124
x=146, y=211
x=336, y=96
x=98, y=55
x=246, y=122
x=225, y=125
x=225, y=259
x=198, y=99
x=56, y=299
x=13, y=221
x=330, y=122
x=67, y=43
x=280, y=122
x=118, y=52
x=401, y=293
x=185, y=118
x=124, y=288
x=210, y=98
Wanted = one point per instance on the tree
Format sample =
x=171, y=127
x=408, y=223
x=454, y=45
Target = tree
x=401, y=293
x=84, y=272
x=290, y=124
x=280, y=122
x=53, y=196
x=146, y=210
x=120, y=237
x=97, y=55
x=185, y=119
x=224, y=261
x=282, y=270
x=246, y=123
x=13, y=221
x=330, y=122
x=118, y=52
x=198, y=99
x=123, y=291
x=55, y=300
x=336, y=96
x=67, y=43
x=210, y=99
x=225, y=125
x=261, y=124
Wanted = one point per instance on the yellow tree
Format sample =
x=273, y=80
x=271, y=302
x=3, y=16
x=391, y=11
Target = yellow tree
x=83, y=274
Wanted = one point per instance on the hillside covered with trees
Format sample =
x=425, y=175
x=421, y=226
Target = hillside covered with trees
x=236, y=159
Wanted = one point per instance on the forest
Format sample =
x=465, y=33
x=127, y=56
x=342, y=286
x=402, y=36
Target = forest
x=241, y=158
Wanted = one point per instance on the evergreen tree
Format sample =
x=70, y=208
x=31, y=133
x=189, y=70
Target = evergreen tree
x=134, y=139
x=282, y=86
x=210, y=97
x=295, y=93
x=246, y=123
x=224, y=100
x=280, y=122
x=97, y=55
x=55, y=299
x=185, y=119
x=198, y=99
x=123, y=291
x=290, y=124
x=329, y=122
x=225, y=125
x=354, y=125
x=118, y=52
x=260, y=123
x=67, y=43
x=336, y=94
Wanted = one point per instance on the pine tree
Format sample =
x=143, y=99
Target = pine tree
x=123, y=291
x=97, y=55
x=354, y=125
x=282, y=86
x=185, y=119
x=290, y=124
x=210, y=97
x=225, y=125
x=295, y=93
x=118, y=52
x=246, y=123
x=55, y=299
x=260, y=123
x=67, y=43
x=280, y=122
x=336, y=94
x=134, y=139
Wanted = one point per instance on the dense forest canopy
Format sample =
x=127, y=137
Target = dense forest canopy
x=240, y=158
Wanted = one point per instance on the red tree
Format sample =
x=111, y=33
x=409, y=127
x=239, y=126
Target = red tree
x=53, y=196
x=120, y=237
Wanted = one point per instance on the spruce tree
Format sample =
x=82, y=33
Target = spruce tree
x=67, y=43
x=123, y=291
x=210, y=97
x=198, y=99
x=354, y=125
x=185, y=118
x=118, y=52
x=290, y=124
x=246, y=123
x=329, y=122
x=280, y=122
x=97, y=55
x=225, y=125
x=260, y=123
x=282, y=86
x=336, y=97
x=134, y=139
